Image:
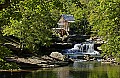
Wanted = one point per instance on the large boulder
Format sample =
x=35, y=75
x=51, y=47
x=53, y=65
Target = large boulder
x=57, y=55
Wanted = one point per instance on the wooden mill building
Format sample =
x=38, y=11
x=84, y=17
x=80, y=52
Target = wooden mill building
x=64, y=21
x=63, y=24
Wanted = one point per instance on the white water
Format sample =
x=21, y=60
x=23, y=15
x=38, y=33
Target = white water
x=88, y=47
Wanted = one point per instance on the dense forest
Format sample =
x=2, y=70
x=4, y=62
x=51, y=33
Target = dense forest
x=29, y=22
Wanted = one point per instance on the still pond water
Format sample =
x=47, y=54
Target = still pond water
x=76, y=70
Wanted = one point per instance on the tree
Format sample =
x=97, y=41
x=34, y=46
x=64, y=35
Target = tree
x=30, y=21
x=4, y=52
x=78, y=9
x=104, y=17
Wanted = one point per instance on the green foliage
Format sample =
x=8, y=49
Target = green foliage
x=7, y=66
x=78, y=9
x=4, y=52
x=104, y=17
x=31, y=20
x=2, y=1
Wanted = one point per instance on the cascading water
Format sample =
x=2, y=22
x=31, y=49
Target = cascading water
x=81, y=49
x=88, y=47
x=91, y=48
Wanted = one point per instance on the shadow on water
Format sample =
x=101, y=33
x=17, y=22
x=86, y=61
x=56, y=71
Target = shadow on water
x=75, y=70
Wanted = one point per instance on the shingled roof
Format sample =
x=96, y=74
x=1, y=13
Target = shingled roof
x=68, y=18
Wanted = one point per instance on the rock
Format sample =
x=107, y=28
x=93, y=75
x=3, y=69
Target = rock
x=45, y=57
x=55, y=59
x=57, y=55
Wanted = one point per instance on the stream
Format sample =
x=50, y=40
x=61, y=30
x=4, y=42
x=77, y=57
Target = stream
x=78, y=69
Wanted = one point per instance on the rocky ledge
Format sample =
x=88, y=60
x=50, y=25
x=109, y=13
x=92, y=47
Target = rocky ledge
x=55, y=59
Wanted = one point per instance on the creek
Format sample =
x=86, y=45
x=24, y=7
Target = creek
x=78, y=69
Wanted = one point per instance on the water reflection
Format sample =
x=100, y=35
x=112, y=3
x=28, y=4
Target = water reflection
x=86, y=65
x=76, y=70
x=20, y=74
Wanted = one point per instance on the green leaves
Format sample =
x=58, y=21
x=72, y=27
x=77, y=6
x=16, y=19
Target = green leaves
x=4, y=52
x=104, y=19
x=30, y=21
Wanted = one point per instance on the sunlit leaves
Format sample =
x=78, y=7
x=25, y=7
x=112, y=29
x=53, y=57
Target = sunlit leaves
x=105, y=20
x=2, y=1
x=30, y=21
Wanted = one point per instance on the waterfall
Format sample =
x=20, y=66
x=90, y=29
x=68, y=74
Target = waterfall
x=84, y=47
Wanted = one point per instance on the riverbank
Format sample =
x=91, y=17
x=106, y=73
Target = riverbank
x=55, y=59
x=110, y=61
